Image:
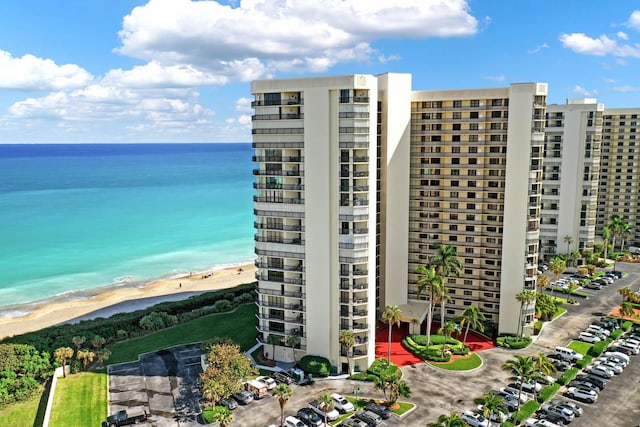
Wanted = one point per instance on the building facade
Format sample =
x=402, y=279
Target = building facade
x=571, y=173
x=358, y=179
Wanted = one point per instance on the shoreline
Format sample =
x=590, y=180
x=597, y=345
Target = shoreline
x=123, y=299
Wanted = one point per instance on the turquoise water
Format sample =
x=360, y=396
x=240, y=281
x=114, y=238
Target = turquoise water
x=78, y=218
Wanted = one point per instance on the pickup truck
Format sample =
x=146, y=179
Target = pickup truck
x=123, y=418
x=332, y=415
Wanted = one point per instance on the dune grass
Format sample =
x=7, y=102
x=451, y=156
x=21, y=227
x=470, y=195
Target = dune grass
x=80, y=400
x=237, y=325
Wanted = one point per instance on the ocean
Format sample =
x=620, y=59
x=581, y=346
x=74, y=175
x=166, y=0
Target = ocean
x=78, y=218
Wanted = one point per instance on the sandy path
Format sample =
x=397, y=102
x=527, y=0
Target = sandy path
x=126, y=299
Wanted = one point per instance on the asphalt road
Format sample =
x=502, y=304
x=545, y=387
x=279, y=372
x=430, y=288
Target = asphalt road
x=166, y=380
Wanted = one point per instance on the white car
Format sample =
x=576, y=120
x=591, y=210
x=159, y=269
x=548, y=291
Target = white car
x=495, y=416
x=599, y=371
x=268, y=381
x=588, y=337
x=529, y=386
x=616, y=368
x=627, y=346
x=534, y=422
x=561, y=412
x=598, y=328
x=524, y=396
x=342, y=404
x=474, y=419
x=293, y=422
x=583, y=394
x=617, y=357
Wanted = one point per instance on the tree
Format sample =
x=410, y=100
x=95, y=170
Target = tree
x=446, y=262
x=63, y=354
x=274, y=340
x=97, y=342
x=525, y=298
x=471, y=317
x=347, y=339
x=283, y=393
x=452, y=420
x=616, y=226
x=227, y=368
x=557, y=267
x=625, y=293
x=23, y=370
x=391, y=316
x=546, y=306
x=447, y=329
x=491, y=405
x=326, y=404
x=86, y=357
x=542, y=282
x=223, y=415
x=543, y=364
x=522, y=369
x=606, y=234
x=396, y=387
x=626, y=309
x=430, y=281
x=78, y=341
x=293, y=341
x=568, y=240
x=102, y=355
x=625, y=232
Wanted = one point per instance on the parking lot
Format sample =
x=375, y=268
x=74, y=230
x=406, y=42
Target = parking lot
x=166, y=380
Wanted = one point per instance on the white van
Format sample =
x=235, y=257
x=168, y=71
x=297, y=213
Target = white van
x=568, y=354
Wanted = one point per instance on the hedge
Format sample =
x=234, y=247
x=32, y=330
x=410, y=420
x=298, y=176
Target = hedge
x=513, y=342
x=627, y=325
x=616, y=334
x=527, y=410
x=598, y=348
x=547, y=392
x=584, y=362
x=318, y=366
x=565, y=378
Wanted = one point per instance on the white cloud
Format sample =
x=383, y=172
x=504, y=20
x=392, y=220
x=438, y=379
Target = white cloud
x=634, y=20
x=622, y=35
x=243, y=105
x=603, y=45
x=538, y=48
x=579, y=90
x=499, y=78
x=626, y=89
x=32, y=73
x=244, y=119
x=608, y=80
x=282, y=34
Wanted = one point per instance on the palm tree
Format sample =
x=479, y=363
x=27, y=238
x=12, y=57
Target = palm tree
x=391, y=316
x=430, y=281
x=452, y=420
x=86, y=356
x=441, y=296
x=283, y=393
x=616, y=226
x=557, y=267
x=293, y=341
x=446, y=262
x=606, y=234
x=491, y=404
x=224, y=416
x=625, y=293
x=447, y=329
x=397, y=387
x=78, y=341
x=626, y=309
x=326, y=404
x=347, y=339
x=568, y=240
x=625, y=232
x=544, y=365
x=63, y=354
x=471, y=317
x=525, y=298
x=521, y=369
x=542, y=282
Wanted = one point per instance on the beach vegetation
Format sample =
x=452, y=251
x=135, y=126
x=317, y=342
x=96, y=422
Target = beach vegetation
x=23, y=370
x=227, y=368
x=26, y=413
x=87, y=392
x=63, y=354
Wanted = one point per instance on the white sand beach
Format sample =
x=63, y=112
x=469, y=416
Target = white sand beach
x=126, y=299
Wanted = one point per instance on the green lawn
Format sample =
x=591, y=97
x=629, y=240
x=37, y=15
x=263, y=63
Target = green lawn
x=237, y=325
x=460, y=363
x=80, y=400
x=580, y=346
x=24, y=414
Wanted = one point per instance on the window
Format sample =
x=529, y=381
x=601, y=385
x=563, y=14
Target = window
x=457, y=104
x=457, y=126
x=344, y=96
x=473, y=115
x=496, y=114
x=475, y=103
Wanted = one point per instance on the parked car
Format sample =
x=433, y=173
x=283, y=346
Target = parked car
x=474, y=419
x=515, y=392
x=561, y=365
x=627, y=346
x=592, y=285
x=309, y=417
x=372, y=419
x=332, y=415
x=535, y=422
x=342, y=404
x=559, y=411
x=229, y=403
x=381, y=410
x=620, y=356
x=531, y=387
x=577, y=410
x=293, y=422
x=588, y=337
x=282, y=378
x=354, y=422
x=268, y=381
x=598, y=381
x=583, y=384
x=124, y=418
x=496, y=416
x=510, y=401
x=583, y=394
x=615, y=367
x=243, y=397
x=568, y=354
x=599, y=371
x=601, y=329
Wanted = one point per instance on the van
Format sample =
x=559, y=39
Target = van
x=568, y=354
x=257, y=388
x=372, y=419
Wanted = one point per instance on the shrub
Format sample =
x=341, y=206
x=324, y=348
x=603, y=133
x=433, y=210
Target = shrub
x=616, y=334
x=598, y=348
x=527, y=410
x=627, y=325
x=315, y=365
x=565, y=378
x=584, y=362
x=547, y=392
x=507, y=424
x=513, y=342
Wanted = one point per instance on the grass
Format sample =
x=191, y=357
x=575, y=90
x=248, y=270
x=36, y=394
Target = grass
x=23, y=414
x=580, y=346
x=460, y=363
x=204, y=328
x=80, y=399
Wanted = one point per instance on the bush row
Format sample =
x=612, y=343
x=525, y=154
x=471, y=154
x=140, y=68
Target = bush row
x=547, y=392
x=565, y=378
x=527, y=410
x=513, y=342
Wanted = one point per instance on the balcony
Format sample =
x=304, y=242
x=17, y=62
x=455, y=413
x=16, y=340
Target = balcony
x=277, y=117
x=289, y=294
x=292, y=307
x=288, y=280
x=281, y=172
x=288, y=201
x=282, y=267
x=280, y=227
x=274, y=239
x=277, y=159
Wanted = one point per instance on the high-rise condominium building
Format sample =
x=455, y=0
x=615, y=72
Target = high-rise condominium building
x=571, y=172
x=358, y=179
x=619, y=190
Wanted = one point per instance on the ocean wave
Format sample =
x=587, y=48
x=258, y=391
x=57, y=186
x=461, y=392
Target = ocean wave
x=13, y=313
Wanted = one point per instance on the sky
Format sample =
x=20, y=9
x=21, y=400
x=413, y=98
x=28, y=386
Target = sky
x=180, y=70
